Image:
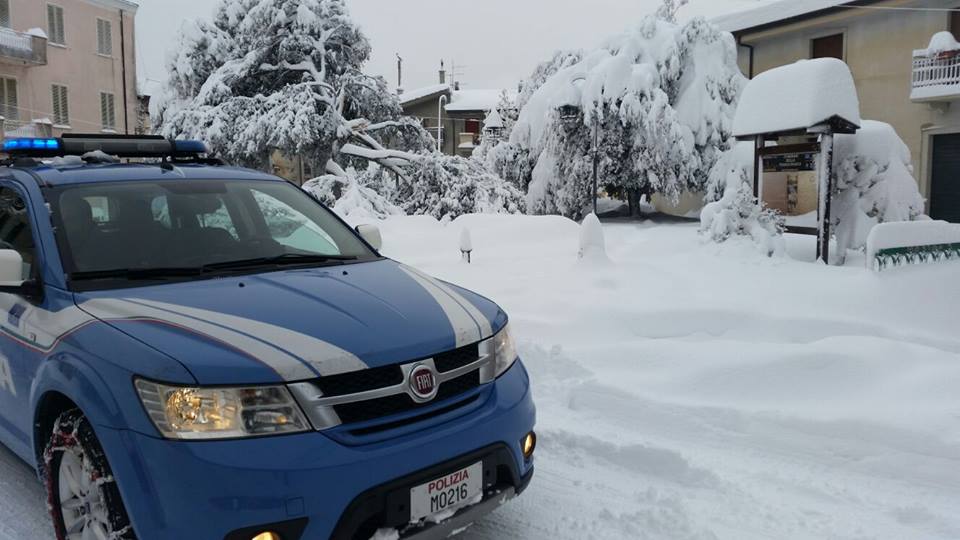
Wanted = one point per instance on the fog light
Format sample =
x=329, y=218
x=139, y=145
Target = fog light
x=529, y=444
x=269, y=535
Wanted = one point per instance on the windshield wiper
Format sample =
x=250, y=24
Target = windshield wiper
x=138, y=273
x=286, y=258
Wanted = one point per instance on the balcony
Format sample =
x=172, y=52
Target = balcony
x=22, y=49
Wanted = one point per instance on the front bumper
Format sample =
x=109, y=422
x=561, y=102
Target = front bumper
x=208, y=490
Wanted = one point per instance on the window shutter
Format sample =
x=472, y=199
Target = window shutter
x=55, y=23
x=108, y=115
x=5, y=13
x=61, y=106
x=12, y=106
x=104, y=37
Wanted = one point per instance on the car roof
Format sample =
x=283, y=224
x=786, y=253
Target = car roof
x=52, y=174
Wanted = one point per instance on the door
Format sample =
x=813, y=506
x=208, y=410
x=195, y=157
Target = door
x=827, y=47
x=945, y=178
x=17, y=361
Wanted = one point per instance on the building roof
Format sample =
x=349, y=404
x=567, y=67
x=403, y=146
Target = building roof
x=479, y=100
x=775, y=12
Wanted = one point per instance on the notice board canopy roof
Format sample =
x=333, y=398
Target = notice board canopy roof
x=798, y=98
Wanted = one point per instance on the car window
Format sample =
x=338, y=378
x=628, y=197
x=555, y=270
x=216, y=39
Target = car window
x=15, y=230
x=291, y=228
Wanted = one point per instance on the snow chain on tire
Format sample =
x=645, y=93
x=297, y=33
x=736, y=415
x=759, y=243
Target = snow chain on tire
x=72, y=433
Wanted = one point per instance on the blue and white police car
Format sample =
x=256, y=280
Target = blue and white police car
x=196, y=351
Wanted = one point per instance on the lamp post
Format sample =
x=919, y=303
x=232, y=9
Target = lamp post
x=440, y=102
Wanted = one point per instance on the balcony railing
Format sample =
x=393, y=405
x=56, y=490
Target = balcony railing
x=20, y=48
x=936, y=76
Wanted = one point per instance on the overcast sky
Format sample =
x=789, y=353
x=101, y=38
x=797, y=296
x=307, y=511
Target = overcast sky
x=492, y=43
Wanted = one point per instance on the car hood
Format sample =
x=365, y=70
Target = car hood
x=299, y=324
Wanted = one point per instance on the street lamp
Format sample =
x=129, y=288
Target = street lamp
x=441, y=101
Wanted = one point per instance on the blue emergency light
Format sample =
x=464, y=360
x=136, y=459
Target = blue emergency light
x=125, y=146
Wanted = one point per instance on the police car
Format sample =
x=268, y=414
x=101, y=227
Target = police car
x=196, y=351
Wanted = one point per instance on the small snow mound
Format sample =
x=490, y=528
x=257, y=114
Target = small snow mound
x=593, y=247
x=466, y=243
x=797, y=96
x=942, y=42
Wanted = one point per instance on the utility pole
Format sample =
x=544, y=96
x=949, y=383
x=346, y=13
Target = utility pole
x=596, y=162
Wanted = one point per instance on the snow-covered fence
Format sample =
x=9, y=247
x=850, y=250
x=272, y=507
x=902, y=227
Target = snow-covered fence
x=936, y=69
x=912, y=242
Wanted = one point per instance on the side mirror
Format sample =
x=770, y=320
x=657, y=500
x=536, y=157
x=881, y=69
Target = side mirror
x=11, y=275
x=371, y=233
x=11, y=268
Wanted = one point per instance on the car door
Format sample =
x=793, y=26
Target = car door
x=18, y=361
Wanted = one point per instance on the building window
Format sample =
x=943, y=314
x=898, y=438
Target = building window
x=108, y=115
x=8, y=100
x=104, y=38
x=827, y=47
x=955, y=22
x=5, y=13
x=61, y=106
x=55, y=32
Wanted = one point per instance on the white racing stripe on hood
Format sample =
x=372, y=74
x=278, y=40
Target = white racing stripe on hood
x=469, y=325
x=326, y=358
x=251, y=337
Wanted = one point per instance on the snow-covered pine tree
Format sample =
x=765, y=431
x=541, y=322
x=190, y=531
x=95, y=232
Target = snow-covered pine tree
x=668, y=10
x=656, y=104
x=284, y=75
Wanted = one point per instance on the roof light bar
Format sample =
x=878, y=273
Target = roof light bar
x=32, y=147
x=141, y=146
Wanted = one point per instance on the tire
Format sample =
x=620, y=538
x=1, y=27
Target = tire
x=82, y=496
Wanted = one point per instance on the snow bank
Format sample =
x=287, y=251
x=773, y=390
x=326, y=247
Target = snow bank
x=926, y=233
x=797, y=96
x=593, y=247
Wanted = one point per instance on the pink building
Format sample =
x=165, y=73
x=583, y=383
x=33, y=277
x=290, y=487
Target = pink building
x=67, y=66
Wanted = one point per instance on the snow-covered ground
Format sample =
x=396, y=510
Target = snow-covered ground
x=690, y=390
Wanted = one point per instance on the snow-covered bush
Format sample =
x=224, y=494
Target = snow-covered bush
x=874, y=183
x=656, y=103
x=736, y=212
x=447, y=187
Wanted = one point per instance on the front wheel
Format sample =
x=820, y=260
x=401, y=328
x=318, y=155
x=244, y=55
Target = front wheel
x=84, y=501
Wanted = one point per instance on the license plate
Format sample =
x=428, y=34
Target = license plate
x=448, y=492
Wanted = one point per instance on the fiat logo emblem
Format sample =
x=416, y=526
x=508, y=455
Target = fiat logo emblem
x=423, y=382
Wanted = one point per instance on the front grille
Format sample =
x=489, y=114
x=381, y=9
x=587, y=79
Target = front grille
x=360, y=381
x=362, y=411
x=457, y=358
x=381, y=392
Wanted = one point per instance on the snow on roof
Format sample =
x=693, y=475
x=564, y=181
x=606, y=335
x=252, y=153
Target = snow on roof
x=774, y=12
x=419, y=93
x=493, y=120
x=797, y=96
x=474, y=100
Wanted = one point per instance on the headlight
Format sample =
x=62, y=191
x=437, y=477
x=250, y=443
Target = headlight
x=220, y=413
x=502, y=348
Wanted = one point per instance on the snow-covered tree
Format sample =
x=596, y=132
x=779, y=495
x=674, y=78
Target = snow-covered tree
x=668, y=10
x=655, y=105
x=284, y=75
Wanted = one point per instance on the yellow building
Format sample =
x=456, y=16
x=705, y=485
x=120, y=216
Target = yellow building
x=898, y=80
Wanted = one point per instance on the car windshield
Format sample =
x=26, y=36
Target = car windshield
x=193, y=227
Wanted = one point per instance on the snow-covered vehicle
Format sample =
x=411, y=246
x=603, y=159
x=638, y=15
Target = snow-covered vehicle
x=205, y=352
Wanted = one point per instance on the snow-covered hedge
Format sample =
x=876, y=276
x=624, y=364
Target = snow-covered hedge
x=911, y=242
x=447, y=187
